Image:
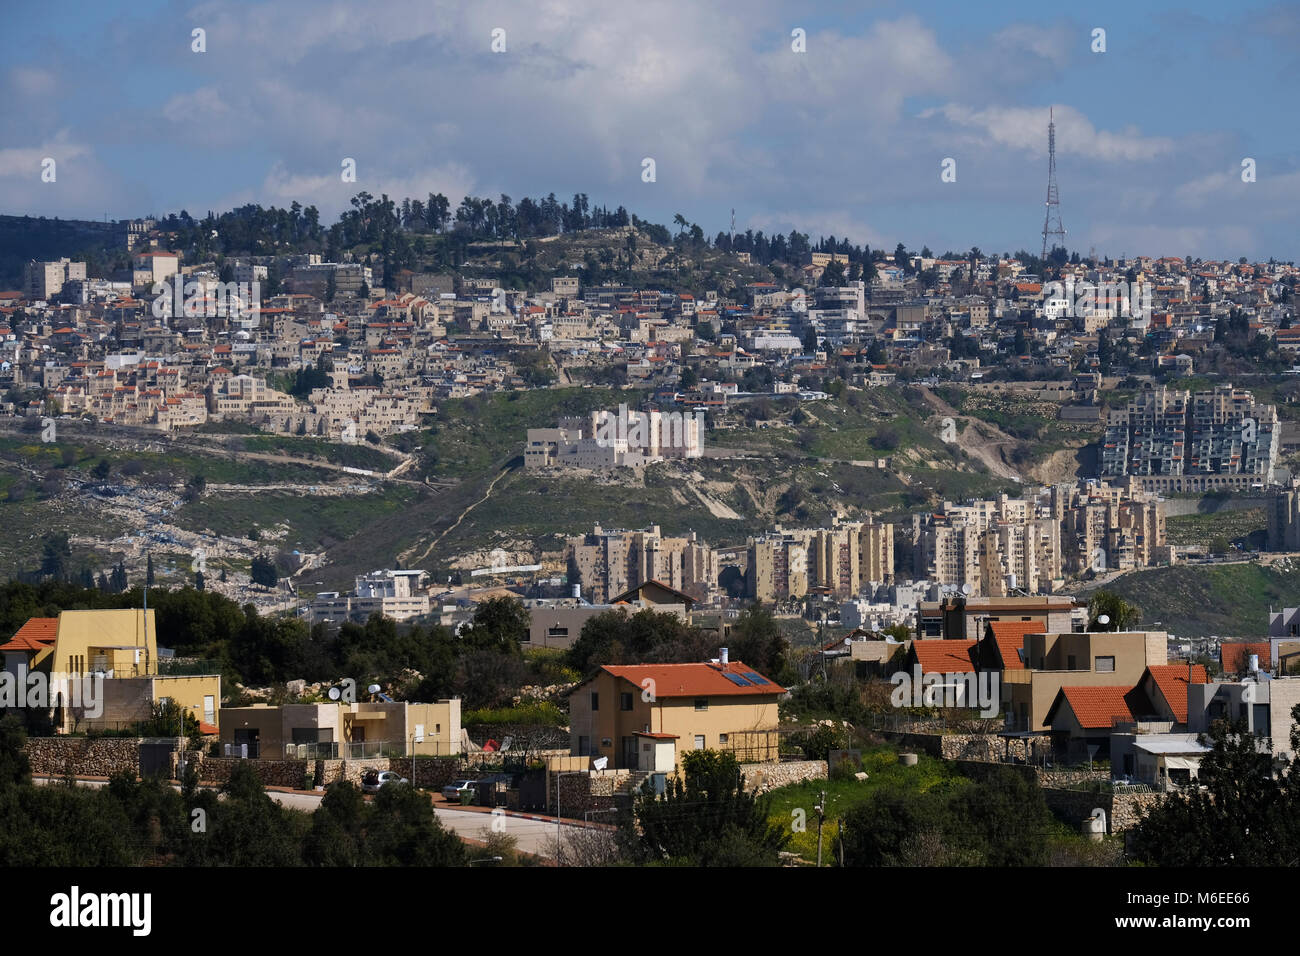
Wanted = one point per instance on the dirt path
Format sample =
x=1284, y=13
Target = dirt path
x=986, y=447
x=405, y=556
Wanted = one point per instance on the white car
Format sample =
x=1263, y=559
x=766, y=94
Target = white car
x=453, y=790
x=372, y=782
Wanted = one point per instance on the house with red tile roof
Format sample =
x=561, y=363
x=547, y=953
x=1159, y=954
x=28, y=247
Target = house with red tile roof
x=1083, y=717
x=117, y=650
x=716, y=705
x=1165, y=685
x=1234, y=657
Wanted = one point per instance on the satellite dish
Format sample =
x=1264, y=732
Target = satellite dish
x=966, y=588
x=847, y=641
x=373, y=689
x=1103, y=619
x=334, y=693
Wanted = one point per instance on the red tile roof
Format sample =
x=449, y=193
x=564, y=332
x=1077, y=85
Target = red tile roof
x=944, y=657
x=1010, y=637
x=1172, y=681
x=1234, y=656
x=692, y=680
x=1096, y=708
x=36, y=635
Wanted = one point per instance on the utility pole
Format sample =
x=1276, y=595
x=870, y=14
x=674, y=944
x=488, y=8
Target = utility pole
x=821, y=816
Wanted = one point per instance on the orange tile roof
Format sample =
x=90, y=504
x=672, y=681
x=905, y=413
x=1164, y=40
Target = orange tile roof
x=1010, y=637
x=1234, y=656
x=36, y=635
x=944, y=657
x=693, y=680
x=1172, y=681
x=1096, y=707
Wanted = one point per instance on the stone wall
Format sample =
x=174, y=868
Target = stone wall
x=432, y=773
x=1126, y=808
x=293, y=773
x=1122, y=809
x=83, y=756
x=582, y=793
x=272, y=773
x=762, y=777
x=988, y=747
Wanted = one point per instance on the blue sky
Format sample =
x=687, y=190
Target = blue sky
x=846, y=138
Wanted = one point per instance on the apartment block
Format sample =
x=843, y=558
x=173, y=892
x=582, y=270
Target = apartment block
x=1174, y=440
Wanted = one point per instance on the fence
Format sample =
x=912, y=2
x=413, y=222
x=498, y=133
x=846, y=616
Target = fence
x=363, y=749
x=312, y=751
x=186, y=667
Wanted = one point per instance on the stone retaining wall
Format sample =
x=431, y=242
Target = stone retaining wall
x=433, y=773
x=83, y=756
x=1122, y=809
x=762, y=777
x=988, y=747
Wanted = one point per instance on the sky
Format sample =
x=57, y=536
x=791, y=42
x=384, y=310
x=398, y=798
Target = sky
x=847, y=136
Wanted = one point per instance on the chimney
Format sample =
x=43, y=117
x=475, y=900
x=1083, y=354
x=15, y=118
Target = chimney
x=722, y=656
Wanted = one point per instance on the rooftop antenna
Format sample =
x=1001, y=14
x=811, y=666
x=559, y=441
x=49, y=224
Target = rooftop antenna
x=1052, y=224
x=733, y=226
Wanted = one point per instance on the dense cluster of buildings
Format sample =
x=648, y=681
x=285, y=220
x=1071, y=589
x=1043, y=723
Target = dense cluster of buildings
x=1176, y=440
x=993, y=547
x=151, y=346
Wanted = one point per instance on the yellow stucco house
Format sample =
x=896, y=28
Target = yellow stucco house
x=641, y=716
x=102, y=670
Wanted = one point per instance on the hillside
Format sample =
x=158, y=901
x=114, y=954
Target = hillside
x=1230, y=600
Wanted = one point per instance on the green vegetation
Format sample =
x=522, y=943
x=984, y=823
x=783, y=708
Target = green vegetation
x=1218, y=529
x=1231, y=600
x=1120, y=614
x=315, y=523
x=474, y=437
x=148, y=823
x=1245, y=811
x=884, y=772
x=706, y=818
x=541, y=712
x=998, y=820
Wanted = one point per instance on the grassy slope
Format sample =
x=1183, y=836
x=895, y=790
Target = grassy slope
x=1231, y=600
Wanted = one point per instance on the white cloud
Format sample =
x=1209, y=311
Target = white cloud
x=1025, y=128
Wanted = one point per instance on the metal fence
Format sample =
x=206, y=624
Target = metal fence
x=312, y=751
x=365, y=749
x=184, y=667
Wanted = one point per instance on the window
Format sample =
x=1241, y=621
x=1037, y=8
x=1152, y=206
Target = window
x=625, y=700
x=1105, y=665
x=557, y=632
x=701, y=703
x=209, y=707
x=595, y=701
x=699, y=741
x=722, y=740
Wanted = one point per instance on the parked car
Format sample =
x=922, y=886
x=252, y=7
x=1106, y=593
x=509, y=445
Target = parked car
x=453, y=790
x=373, y=781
